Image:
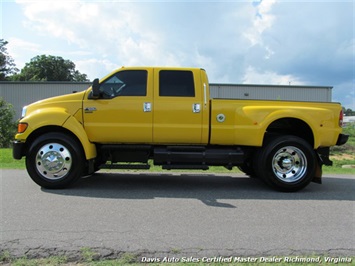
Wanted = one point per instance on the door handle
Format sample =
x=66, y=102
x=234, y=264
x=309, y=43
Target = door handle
x=196, y=108
x=90, y=109
x=147, y=107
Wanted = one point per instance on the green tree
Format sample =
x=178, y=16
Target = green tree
x=349, y=112
x=7, y=125
x=49, y=68
x=7, y=65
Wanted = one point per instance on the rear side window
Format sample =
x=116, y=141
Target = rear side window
x=173, y=83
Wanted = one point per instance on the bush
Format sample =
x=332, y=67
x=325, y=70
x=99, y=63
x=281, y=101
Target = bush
x=7, y=124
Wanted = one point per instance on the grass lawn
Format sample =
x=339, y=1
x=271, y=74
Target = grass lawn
x=88, y=258
x=7, y=162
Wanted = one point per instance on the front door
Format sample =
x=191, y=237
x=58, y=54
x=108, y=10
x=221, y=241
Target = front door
x=123, y=112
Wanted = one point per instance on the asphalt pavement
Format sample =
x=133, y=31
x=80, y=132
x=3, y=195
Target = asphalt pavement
x=156, y=215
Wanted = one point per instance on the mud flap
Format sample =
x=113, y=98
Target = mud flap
x=89, y=167
x=318, y=174
x=322, y=158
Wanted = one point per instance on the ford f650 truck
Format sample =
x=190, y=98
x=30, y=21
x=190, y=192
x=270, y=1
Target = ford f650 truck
x=136, y=116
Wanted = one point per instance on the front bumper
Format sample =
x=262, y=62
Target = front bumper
x=342, y=139
x=18, y=150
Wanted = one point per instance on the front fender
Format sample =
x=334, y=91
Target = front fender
x=60, y=118
x=77, y=129
x=42, y=118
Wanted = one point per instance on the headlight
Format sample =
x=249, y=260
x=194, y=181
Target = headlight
x=24, y=111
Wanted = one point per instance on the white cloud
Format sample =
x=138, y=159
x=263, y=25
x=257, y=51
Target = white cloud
x=263, y=19
x=90, y=67
x=20, y=48
x=115, y=31
x=60, y=19
x=266, y=41
x=143, y=33
x=312, y=40
x=17, y=43
x=253, y=76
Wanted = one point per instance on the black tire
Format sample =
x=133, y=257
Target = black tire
x=55, y=161
x=286, y=163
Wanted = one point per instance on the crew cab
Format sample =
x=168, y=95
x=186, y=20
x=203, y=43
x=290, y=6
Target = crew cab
x=138, y=116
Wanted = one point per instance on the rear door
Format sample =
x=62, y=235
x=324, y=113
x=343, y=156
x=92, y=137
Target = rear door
x=178, y=107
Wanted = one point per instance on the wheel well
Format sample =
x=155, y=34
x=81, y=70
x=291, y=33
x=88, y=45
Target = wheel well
x=47, y=129
x=292, y=126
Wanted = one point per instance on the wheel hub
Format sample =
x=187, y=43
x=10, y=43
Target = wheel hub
x=289, y=164
x=286, y=163
x=53, y=161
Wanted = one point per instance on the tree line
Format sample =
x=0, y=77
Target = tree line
x=348, y=112
x=40, y=68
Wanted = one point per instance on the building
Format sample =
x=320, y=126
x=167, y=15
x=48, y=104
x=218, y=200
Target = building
x=272, y=92
x=347, y=120
x=20, y=94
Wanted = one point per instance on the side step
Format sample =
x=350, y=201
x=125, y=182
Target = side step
x=197, y=156
x=125, y=166
x=186, y=166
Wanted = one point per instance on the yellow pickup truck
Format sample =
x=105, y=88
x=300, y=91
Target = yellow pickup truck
x=138, y=115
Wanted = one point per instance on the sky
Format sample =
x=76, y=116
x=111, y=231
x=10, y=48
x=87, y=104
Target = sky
x=277, y=42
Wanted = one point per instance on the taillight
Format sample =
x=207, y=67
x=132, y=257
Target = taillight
x=341, y=117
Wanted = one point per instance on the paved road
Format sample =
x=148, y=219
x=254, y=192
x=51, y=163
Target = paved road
x=157, y=215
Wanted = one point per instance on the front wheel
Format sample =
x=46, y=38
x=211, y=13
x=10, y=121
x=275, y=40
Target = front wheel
x=287, y=163
x=55, y=160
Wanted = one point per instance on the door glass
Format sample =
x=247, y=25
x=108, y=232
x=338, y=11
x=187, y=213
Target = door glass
x=176, y=83
x=125, y=83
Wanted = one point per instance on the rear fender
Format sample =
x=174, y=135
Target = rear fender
x=289, y=114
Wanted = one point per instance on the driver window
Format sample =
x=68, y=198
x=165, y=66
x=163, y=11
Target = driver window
x=125, y=83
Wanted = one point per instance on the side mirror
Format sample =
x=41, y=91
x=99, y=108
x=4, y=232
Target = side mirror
x=96, y=89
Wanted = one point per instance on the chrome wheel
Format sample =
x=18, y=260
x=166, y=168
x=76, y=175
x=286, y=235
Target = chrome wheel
x=53, y=161
x=289, y=164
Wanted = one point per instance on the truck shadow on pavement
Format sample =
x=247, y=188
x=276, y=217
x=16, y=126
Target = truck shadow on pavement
x=208, y=188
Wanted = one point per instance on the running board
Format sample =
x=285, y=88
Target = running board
x=176, y=156
x=125, y=166
x=187, y=167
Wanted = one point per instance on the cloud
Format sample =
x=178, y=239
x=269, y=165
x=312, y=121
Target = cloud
x=264, y=41
x=308, y=42
x=312, y=40
x=18, y=47
x=89, y=66
x=145, y=33
x=113, y=31
x=263, y=20
x=253, y=76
